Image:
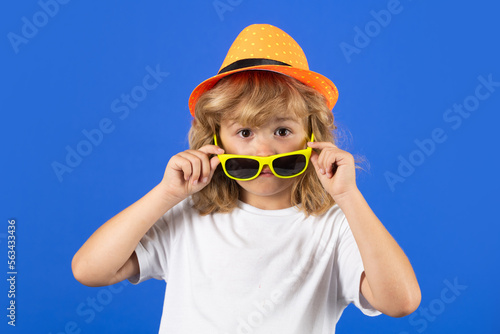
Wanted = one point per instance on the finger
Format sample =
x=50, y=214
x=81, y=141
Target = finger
x=209, y=171
x=205, y=166
x=208, y=166
x=320, y=145
x=335, y=166
x=321, y=160
x=211, y=149
x=195, y=162
x=182, y=164
x=214, y=162
x=314, y=159
x=327, y=149
x=328, y=160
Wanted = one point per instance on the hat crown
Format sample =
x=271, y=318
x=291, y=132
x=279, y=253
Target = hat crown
x=267, y=48
x=264, y=41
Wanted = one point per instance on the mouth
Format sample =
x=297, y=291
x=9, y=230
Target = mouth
x=266, y=172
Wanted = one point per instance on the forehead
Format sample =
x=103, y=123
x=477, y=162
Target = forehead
x=250, y=115
x=276, y=121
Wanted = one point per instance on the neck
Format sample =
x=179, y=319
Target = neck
x=273, y=202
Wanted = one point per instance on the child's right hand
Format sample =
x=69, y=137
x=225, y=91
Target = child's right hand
x=190, y=171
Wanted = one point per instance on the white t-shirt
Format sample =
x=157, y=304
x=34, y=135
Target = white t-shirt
x=252, y=271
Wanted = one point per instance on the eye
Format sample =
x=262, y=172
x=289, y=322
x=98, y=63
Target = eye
x=282, y=132
x=245, y=133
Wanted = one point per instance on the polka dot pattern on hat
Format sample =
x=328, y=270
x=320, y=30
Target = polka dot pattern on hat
x=264, y=41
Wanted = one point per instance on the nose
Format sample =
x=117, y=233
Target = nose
x=262, y=147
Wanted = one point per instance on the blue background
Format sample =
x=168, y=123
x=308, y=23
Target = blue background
x=394, y=90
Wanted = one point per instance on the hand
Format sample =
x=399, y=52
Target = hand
x=335, y=169
x=190, y=171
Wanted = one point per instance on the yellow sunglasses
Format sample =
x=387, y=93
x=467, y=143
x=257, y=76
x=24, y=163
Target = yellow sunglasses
x=248, y=167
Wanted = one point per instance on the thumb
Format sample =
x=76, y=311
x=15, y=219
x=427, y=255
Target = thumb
x=314, y=160
x=214, y=162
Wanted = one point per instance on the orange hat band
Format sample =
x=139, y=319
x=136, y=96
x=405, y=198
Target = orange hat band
x=250, y=62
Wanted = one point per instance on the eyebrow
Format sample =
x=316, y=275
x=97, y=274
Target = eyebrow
x=285, y=119
x=232, y=123
x=273, y=121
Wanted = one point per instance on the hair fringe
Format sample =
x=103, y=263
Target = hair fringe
x=258, y=96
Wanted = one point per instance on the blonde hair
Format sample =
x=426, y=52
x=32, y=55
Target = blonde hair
x=252, y=98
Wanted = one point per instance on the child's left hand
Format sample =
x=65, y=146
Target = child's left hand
x=335, y=169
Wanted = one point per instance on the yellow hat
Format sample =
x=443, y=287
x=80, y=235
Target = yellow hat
x=265, y=47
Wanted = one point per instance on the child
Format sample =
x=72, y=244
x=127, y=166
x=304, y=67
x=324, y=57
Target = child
x=250, y=236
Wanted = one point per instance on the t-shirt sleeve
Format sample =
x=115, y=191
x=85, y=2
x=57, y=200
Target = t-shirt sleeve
x=153, y=250
x=350, y=269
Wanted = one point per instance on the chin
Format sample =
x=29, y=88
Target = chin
x=266, y=186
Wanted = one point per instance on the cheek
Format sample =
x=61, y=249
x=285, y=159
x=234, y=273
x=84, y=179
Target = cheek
x=295, y=146
x=233, y=148
x=226, y=143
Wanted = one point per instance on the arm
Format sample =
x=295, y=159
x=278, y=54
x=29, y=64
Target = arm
x=388, y=282
x=108, y=256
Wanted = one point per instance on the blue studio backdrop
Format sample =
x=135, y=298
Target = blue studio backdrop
x=93, y=102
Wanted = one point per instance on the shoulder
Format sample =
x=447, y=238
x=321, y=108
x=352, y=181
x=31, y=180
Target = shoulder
x=332, y=223
x=334, y=216
x=182, y=213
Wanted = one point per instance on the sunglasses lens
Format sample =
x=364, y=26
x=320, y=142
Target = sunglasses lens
x=242, y=168
x=289, y=165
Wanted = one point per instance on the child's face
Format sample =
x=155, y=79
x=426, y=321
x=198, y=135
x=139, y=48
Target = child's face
x=280, y=135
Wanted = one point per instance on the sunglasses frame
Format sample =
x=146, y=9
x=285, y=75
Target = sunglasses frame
x=265, y=161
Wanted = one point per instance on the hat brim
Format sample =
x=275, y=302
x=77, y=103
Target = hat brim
x=312, y=79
